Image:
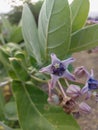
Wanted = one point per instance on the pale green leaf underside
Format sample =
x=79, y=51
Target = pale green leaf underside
x=79, y=11
x=30, y=33
x=54, y=27
x=85, y=38
x=39, y=115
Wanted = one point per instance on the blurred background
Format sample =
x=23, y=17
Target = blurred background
x=6, y=5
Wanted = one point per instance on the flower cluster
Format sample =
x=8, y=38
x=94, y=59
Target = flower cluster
x=72, y=99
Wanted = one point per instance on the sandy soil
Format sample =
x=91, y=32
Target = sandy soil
x=88, y=122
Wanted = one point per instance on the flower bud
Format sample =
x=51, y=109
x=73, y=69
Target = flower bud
x=81, y=72
x=84, y=108
x=53, y=100
x=73, y=91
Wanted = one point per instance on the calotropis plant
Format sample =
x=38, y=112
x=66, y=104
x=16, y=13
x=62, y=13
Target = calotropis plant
x=61, y=31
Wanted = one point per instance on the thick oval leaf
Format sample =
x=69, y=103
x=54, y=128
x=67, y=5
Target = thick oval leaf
x=30, y=34
x=85, y=38
x=55, y=114
x=54, y=27
x=32, y=120
x=33, y=102
x=79, y=11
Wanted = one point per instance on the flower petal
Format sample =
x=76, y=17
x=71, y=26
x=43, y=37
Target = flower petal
x=69, y=76
x=92, y=73
x=84, y=89
x=81, y=71
x=53, y=80
x=92, y=84
x=84, y=108
x=68, y=61
x=46, y=69
x=54, y=58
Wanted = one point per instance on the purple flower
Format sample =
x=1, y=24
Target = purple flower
x=58, y=69
x=81, y=71
x=73, y=91
x=91, y=83
x=84, y=108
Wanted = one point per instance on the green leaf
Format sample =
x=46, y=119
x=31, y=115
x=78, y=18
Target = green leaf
x=54, y=27
x=30, y=34
x=3, y=72
x=79, y=10
x=11, y=48
x=4, y=127
x=22, y=55
x=32, y=120
x=4, y=57
x=12, y=73
x=2, y=102
x=17, y=129
x=85, y=38
x=6, y=23
x=10, y=111
x=39, y=115
x=16, y=34
x=19, y=69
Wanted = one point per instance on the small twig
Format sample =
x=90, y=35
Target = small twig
x=49, y=89
x=66, y=82
x=40, y=80
x=58, y=91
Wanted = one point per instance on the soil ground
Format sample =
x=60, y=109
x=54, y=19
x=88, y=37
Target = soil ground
x=90, y=61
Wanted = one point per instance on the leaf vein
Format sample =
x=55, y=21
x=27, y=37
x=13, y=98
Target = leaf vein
x=54, y=30
x=84, y=45
x=57, y=45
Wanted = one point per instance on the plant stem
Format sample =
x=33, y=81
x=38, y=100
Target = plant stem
x=62, y=89
x=39, y=80
x=49, y=89
x=67, y=83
